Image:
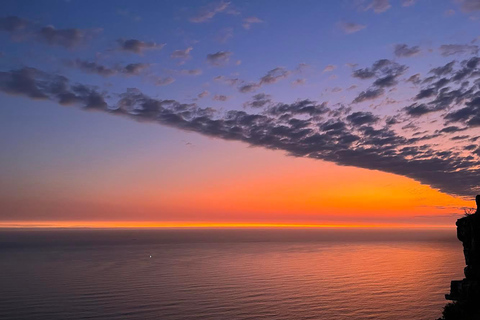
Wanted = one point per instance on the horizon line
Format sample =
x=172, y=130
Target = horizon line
x=204, y=225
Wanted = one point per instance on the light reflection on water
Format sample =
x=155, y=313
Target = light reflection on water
x=226, y=274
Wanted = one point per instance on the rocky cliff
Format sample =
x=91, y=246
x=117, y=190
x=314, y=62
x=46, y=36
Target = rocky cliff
x=466, y=293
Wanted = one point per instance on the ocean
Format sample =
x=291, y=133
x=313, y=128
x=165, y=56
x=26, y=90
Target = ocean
x=328, y=274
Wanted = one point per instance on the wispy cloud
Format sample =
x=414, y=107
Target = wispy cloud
x=248, y=22
x=454, y=49
x=403, y=50
x=351, y=27
x=379, y=6
x=219, y=58
x=138, y=46
x=105, y=71
x=207, y=13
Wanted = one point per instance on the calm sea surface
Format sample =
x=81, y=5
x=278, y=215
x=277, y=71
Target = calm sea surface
x=226, y=274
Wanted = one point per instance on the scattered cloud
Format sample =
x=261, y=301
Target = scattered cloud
x=259, y=100
x=159, y=81
x=379, y=6
x=203, y=94
x=68, y=38
x=249, y=87
x=469, y=5
x=274, y=76
x=191, y=72
x=329, y=68
x=385, y=73
x=181, y=54
x=408, y=3
x=351, y=27
x=137, y=46
x=13, y=24
x=403, y=50
x=219, y=58
x=247, y=22
x=228, y=81
x=455, y=49
x=220, y=97
x=369, y=94
x=105, y=71
x=207, y=13
x=299, y=82
x=21, y=29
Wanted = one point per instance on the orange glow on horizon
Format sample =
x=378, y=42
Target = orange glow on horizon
x=206, y=225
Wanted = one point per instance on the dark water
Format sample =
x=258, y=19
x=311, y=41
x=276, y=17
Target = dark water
x=226, y=274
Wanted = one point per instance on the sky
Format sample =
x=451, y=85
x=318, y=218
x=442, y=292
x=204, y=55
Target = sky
x=239, y=113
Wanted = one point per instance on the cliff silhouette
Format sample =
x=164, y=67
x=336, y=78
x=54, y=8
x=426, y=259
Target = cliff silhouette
x=465, y=293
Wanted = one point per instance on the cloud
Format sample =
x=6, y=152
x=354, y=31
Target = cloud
x=68, y=38
x=137, y=46
x=453, y=91
x=228, y=81
x=470, y=5
x=259, y=100
x=369, y=94
x=220, y=97
x=408, y=3
x=402, y=50
x=454, y=49
x=299, y=82
x=274, y=76
x=181, y=54
x=104, y=71
x=12, y=24
x=452, y=129
x=92, y=67
x=23, y=82
x=247, y=22
x=351, y=27
x=38, y=85
x=133, y=68
x=159, y=81
x=249, y=87
x=22, y=29
x=207, y=13
x=191, y=72
x=219, y=58
x=203, y=94
x=417, y=110
x=271, y=77
x=361, y=118
x=379, y=6
x=386, y=75
x=415, y=79
x=329, y=68
x=303, y=128
x=444, y=70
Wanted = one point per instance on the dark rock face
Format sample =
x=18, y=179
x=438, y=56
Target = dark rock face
x=466, y=292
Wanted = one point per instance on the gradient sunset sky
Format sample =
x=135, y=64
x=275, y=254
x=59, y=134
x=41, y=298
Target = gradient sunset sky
x=197, y=113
